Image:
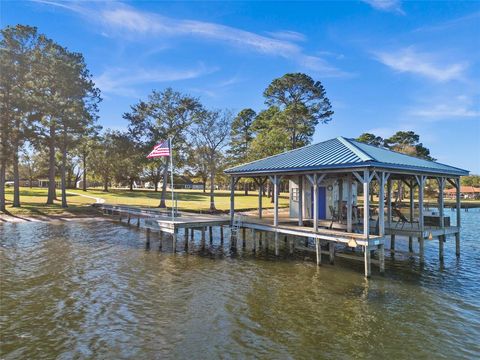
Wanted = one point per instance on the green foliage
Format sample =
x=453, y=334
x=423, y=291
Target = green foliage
x=471, y=180
x=370, y=139
x=406, y=142
x=304, y=104
x=241, y=136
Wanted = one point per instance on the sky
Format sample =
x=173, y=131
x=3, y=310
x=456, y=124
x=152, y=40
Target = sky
x=386, y=65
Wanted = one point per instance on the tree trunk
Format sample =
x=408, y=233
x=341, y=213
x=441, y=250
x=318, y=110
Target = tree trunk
x=204, y=179
x=164, y=187
x=63, y=171
x=105, y=184
x=16, y=179
x=212, y=190
x=155, y=183
x=84, y=175
x=245, y=188
x=3, y=166
x=131, y=184
x=51, y=167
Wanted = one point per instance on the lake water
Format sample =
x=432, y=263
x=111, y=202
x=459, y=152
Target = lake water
x=92, y=290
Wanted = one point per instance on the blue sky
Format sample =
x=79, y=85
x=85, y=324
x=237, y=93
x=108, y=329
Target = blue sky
x=386, y=65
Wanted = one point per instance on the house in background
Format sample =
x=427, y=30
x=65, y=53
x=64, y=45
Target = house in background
x=466, y=192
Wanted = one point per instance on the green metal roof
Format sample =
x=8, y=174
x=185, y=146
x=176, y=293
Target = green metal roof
x=341, y=153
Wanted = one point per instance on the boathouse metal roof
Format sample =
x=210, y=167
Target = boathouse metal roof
x=341, y=153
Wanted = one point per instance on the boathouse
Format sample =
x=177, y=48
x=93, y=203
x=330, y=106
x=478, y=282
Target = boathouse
x=324, y=179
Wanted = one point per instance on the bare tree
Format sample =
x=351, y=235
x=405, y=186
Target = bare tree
x=211, y=132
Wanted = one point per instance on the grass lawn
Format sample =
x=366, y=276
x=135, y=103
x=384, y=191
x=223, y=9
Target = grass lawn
x=33, y=201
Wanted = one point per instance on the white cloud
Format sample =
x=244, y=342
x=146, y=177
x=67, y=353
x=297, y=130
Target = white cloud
x=386, y=5
x=125, y=21
x=288, y=35
x=411, y=61
x=121, y=81
x=451, y=108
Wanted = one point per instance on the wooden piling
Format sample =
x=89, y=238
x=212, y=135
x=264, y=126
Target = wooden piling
x=128, y=220
x=368, y=261
x=254, y=239
x=441, y=242
x=318, y=251
x=292, y=245
x=210, y=234
x=381, y=258
x=160, y=240
x=138, y=222
x=192, y=234
x=174, y=240
x=410, y=244
x=331, y=250
x=277, y=245
x=221, y=234
x=392, y=244
x=186, y=239
x=148, y=239
x=203, y=239
x=244, y=235
x=421, y=249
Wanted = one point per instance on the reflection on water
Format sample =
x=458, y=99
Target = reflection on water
x=81, y=290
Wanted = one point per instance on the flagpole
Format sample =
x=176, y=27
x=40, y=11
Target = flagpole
x=171, y=179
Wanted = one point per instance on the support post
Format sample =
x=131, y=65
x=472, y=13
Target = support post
x=392, y=244
x=186, y=239
x=221, y=234
x=381, y=204
x=421, y=185
x=174, y=240
x=277, y=245
x=160, y=240
x=148, y=238
x=458, y=208
x=331, y=251
x=210, y=234
x=368, y=260
x=232, y=200
x=381, y=258
x=244, y=236
x=366, y=204
x=349, y=203
x=275, y=200
x=300, y=200
x=315, y=202
x=319, y=251
x=260, y=197
x=441, y=239
x=203, y=239
x=138, y=222
x=389, y=203
x=340, y=199
x=412, y=204
x=254, y=238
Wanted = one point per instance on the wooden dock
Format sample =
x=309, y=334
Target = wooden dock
x=185, y=223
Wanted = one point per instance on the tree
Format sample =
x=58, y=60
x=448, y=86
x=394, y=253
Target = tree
x=102, y=164
x=166, y=114
x=304, y=103
x=128, y=158
x=370, y=139
x=408, y=142
x=17, y=45
x=211, y=134
x=80, y=99
x=241, y=136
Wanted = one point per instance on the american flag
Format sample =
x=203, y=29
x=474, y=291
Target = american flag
x=159, y=150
